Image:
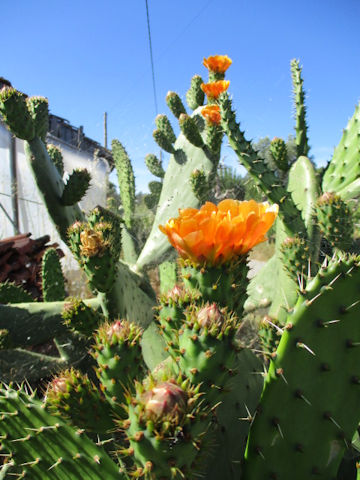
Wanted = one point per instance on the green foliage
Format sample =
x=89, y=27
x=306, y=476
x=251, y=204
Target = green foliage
x=53, y=286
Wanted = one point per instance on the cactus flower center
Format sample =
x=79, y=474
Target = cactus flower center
x=216, y=234
x=92, y=242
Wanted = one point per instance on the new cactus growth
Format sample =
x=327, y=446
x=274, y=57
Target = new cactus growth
x=53, y=286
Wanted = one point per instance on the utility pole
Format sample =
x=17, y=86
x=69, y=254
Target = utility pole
x=105, y=129
x=14, y=186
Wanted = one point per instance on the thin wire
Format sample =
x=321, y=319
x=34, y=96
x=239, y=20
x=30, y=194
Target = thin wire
x=151, y=57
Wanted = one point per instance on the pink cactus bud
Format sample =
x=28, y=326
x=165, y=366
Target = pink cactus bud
x=120, y=329
x=210, y=315
x=165, y=399
x=58, y=385
x=175, y=293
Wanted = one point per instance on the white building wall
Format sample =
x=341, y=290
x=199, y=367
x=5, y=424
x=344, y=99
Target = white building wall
x=32, y=212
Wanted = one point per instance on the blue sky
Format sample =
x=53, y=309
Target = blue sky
x=89, y=57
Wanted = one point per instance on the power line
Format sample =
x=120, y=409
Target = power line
x=151, y=57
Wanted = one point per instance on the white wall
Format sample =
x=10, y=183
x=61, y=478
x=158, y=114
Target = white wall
x=33, y=214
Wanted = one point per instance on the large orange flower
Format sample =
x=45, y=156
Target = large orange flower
x=217, y=63
x=216, y=234
x=213, y=89
x=212, y=113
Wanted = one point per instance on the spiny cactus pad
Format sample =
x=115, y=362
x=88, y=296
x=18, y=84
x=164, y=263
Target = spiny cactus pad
x=302, y=428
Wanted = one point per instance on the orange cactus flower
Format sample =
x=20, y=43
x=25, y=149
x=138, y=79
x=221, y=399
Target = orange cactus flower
x=217, y=63
x=212, y=113
x=213, y=89
x=214, y=235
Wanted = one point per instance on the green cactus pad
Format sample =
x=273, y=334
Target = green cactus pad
x=154, y=165
x=126, y=180
x=302, y=428
x=163, y=124
x=162, y=140
x=14, y=111
x=53, y=283
x=190, y=130
x=344, y=168
x=335, y=221
x=117, y=352
x=79, y=317
x=168, y=275
x=171, y=315
x=195, y=96
x=39, y=111
x=72, y=396
x=207, y=352
x=214, y=136
x=12, y=293
x=166, y=426
x=56, y=157
x=175, y=104
x=302, y=147
x=200, y=185
x=225, y=285
x=76, y=186
x=42, y=446
x=295, y=258
x=279, y=153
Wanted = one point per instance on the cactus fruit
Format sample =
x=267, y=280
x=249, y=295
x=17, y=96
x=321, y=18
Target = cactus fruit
x=165, y=428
